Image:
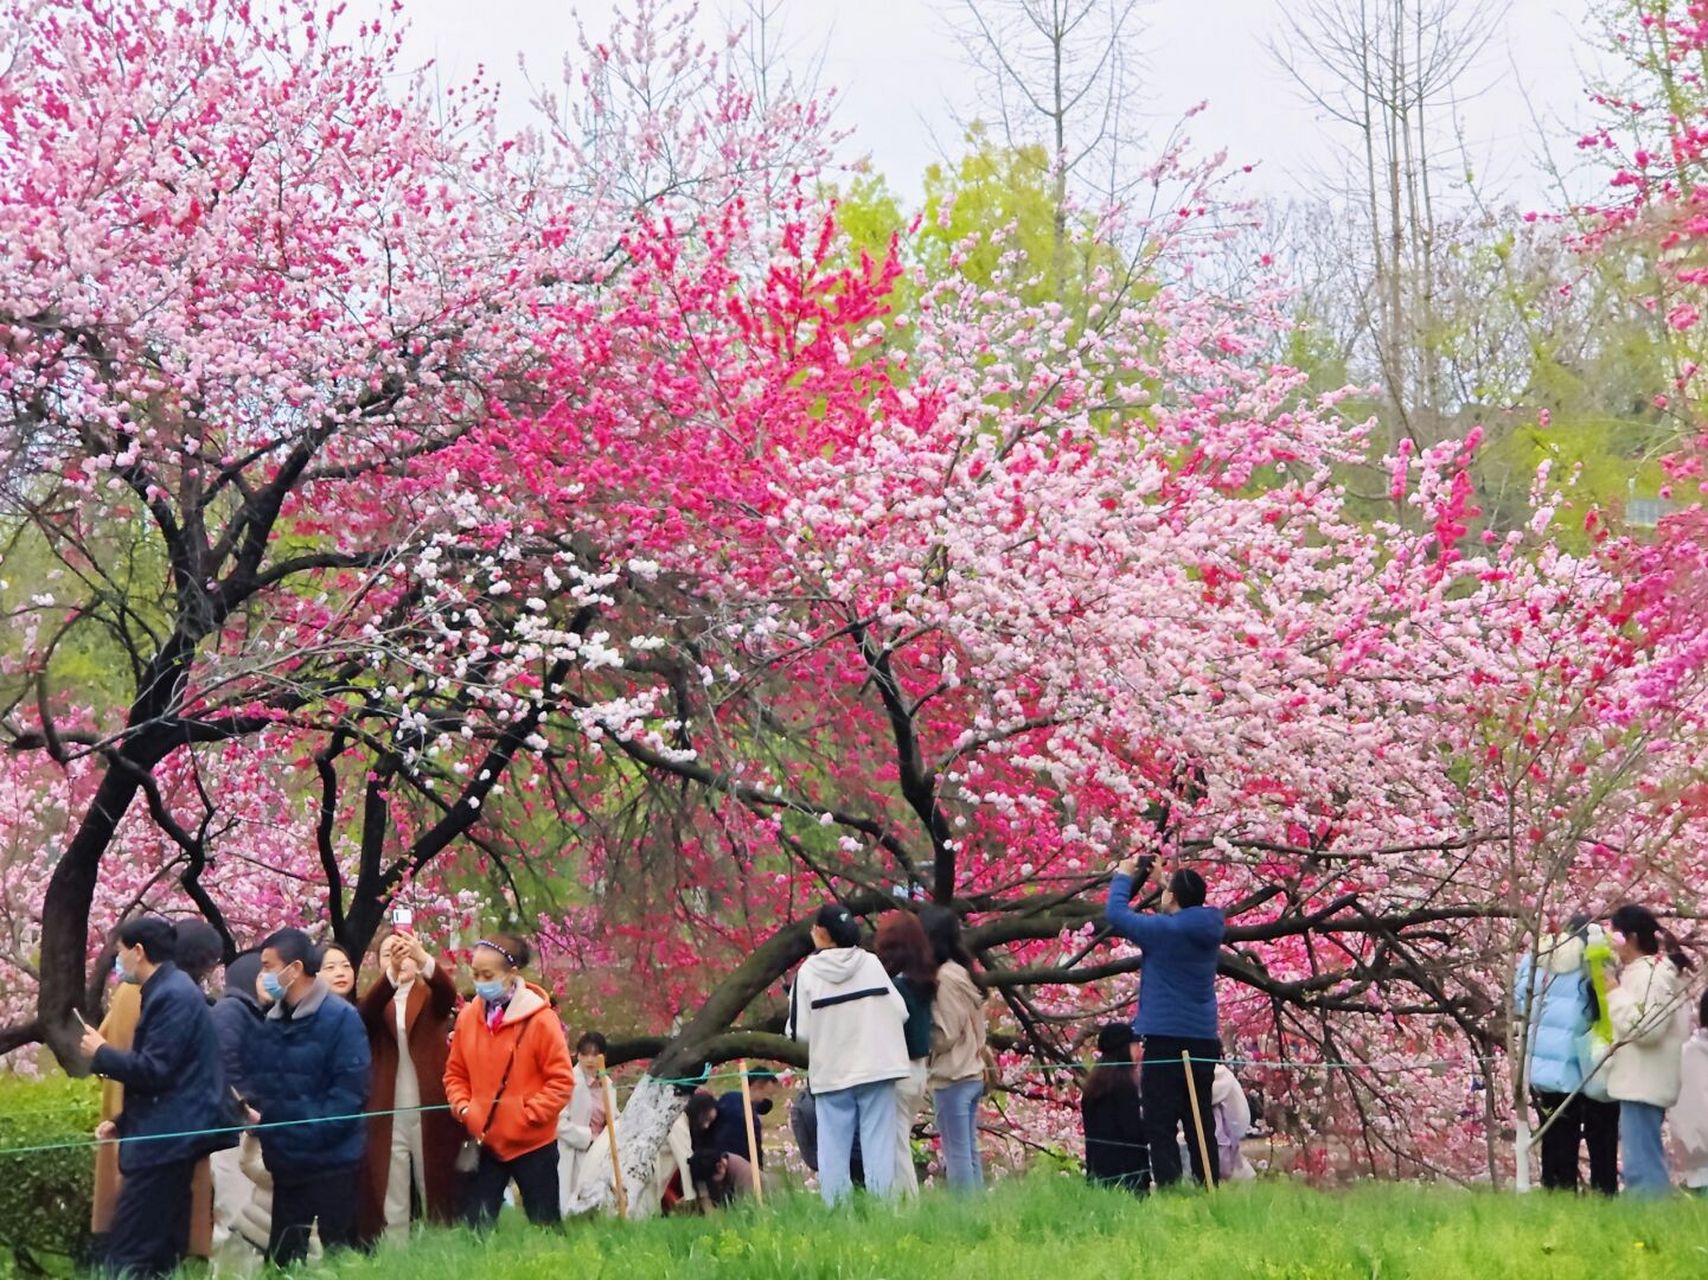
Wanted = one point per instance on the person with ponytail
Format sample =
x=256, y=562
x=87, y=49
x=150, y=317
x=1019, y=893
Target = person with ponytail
x=850, y=1016
x=508, y=1077
x=1649, y=1017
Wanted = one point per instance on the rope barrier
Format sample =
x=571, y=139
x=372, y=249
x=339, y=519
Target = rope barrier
x=1036, y=1068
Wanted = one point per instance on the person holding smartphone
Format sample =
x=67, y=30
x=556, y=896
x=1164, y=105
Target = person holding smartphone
x=1182, y=942
x=412, y=1139
x=174, y=1111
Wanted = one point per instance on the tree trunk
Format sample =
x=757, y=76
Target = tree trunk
x=642, y=1130
x=65, y=917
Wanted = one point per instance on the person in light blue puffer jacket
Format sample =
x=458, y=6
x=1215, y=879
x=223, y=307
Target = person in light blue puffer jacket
x=1554, y=992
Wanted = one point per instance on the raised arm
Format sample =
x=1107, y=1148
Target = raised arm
x=1142, y=927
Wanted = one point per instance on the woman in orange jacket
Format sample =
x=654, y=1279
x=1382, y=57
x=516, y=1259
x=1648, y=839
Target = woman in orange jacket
x=508, y=1077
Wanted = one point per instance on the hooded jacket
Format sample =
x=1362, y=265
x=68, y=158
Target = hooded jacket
x=1649, y=1020
x=309, y=1064
x=850, y=1016
x=529, y=1041
x=1554, y=992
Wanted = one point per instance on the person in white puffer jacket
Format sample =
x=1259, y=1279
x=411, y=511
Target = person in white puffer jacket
x=1689, y=1115
x=1649, y=1023
x=851, y=1017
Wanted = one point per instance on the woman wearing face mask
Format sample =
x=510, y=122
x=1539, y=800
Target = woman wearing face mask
x=412, y=1139
x=338, y=972
x=1649, y=1027
x=508, y=1078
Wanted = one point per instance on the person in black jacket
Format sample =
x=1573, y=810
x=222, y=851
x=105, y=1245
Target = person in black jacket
x=174, y=1111
x=728, y=1132
x=1116, y=1154
x=237, y=1016
x=306, y=1075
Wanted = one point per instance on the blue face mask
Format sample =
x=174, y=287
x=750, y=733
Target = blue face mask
x=490, y=991
x=272, y=986
x=120, y=972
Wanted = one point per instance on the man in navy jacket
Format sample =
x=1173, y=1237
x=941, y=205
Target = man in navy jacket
x=1182, y=942
x=175, y=1109
x=306, y=1071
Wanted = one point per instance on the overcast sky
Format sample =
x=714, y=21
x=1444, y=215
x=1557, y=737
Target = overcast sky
x=901, y=77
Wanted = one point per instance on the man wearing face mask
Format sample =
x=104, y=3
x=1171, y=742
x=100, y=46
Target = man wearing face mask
x=306, y=1070
x=174, y=1108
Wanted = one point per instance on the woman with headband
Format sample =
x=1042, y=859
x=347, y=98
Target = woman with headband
x=508, y=1077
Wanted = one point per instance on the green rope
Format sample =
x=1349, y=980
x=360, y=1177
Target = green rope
x=1037, y=1068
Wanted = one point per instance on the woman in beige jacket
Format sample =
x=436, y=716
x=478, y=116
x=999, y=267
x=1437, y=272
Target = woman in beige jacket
x=956, y=1068
x=1649, y=1018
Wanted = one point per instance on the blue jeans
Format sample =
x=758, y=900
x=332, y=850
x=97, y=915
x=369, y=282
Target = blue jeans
x=1644, y=1162
x=870, y=1108
x=958, y=1121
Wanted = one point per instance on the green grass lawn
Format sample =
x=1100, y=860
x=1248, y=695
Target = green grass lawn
x=1055, y=1227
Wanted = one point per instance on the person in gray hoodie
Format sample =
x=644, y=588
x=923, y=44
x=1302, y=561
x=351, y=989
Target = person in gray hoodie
x=847, y=1011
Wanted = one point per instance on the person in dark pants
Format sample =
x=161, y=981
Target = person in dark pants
x=1115, y=1150
x=174, y=1103
x=508, y=1078
x=1555, y=1002
x=1181, y=942
x=306, y=1072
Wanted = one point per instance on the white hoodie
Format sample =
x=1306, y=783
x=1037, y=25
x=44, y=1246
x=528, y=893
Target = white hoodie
x=1650, y=1023
x=850, y=1015
x=1689, y=1118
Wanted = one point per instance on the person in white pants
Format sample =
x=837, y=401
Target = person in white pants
x=906, y=954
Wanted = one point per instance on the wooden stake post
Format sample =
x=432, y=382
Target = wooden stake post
x=1197, y=1119
x=611, y=1135
x=752, y=1143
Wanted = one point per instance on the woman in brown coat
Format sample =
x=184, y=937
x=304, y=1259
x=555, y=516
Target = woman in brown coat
x=411, y=1155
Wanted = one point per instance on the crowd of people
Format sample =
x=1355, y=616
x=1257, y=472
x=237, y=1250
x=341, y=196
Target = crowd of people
x=1605, y=1011
x=295, y=1114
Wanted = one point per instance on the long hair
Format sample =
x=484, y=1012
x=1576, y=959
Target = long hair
x=1642, y=926
x=943, y=927
x=906, y=953
x=1113, y=1070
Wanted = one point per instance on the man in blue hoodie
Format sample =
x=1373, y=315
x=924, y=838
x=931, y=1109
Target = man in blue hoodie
x=1181, y=942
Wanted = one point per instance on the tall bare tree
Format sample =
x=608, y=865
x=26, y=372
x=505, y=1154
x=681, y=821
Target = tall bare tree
x=1393, y=73
x=1061, y=74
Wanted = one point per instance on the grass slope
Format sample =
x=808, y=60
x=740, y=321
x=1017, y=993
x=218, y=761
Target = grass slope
x=1056, y=1227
